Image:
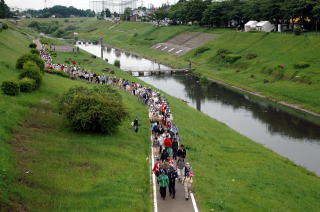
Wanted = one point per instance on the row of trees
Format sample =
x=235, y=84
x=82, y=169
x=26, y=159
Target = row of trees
x=60, y=12
x=4, y=10
x=238, y=12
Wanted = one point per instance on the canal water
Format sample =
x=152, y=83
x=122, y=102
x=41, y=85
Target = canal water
x=288, y=135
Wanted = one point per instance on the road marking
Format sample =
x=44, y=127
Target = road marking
x=171, y=50
x=179, y=51
x=194, y=203
x=164, y=48
x=155, y=204
x=158, y=47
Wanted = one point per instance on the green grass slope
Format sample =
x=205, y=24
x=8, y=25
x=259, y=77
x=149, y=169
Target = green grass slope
x=232, y=172
x=296, y=86
x=46, y=167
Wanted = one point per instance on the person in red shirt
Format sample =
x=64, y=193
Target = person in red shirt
x=167, y=143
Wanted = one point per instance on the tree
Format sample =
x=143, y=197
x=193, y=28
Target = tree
x=127, y=14
x=108, y=13
x=4, y=10
x=195, y=9
x=160, y=15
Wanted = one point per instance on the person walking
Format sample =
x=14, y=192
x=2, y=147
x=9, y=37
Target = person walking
x=167, y=143
x=163, y=183
x=175, y=146
x=172, y=175
x=180, y=167
x=156, y=146
x=182, y=153
x=187, y=183
x=135, y=125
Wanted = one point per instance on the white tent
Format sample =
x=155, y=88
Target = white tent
x=265, y=26
x=251, y=25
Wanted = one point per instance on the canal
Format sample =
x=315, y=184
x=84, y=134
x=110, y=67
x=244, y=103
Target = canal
x=288, y=135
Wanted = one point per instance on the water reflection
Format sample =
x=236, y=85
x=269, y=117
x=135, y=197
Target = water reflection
x=128, y=61
x=290, y=136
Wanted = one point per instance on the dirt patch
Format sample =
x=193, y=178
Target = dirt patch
x=45, y=102
x=184, y=42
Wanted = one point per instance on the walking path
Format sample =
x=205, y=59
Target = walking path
x=159, y=115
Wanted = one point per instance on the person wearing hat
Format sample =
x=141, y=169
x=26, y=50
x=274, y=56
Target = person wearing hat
x=163, y=183
x=187, y=182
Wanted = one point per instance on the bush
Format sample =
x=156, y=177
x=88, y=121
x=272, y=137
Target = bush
x=93, y=110
x=201, y=50
x=301, y=65
x=32, y=74
x=5, y=26
x=30, y=65
x=297, y=30
x=32, y=45
x=35, y=51
x=55, y=72
x=117, y=63
x=30, y=57
x=27, y=85
x=10, y=87
x=231, y=58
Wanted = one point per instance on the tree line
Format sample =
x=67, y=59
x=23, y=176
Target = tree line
x=59, y=12
x=305, y=13
x=4, y=10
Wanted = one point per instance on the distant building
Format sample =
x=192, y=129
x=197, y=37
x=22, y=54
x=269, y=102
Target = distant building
x=265, y=26
x=250, y=25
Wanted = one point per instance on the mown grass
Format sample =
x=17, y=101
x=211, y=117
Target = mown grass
x=47, y=167
x=296, y=86
x=232, y=172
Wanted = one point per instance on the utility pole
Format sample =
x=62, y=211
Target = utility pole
x=45, y=4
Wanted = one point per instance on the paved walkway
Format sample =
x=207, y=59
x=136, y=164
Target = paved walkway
x=178, y=204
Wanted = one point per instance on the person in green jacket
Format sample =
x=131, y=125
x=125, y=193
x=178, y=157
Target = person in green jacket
x=163, y=182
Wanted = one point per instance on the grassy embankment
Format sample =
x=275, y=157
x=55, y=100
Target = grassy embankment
x=46, y=167
x=233, y=173
x=289, y=84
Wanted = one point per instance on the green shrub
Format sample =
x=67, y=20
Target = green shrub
x=201, y=50
x=10, y=87
x=27, y=85
x=32, y=45
x=117, y=63
x=231, y=58
x=30, y=57
x=5, y=26
x=30, y=65
x=35, y=51
x=301, y=65
x=32, y=74
x=93, y=110
x=55, y=72
x=135, y=34
x=297, y=30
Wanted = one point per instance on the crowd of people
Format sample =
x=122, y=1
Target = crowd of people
x=170, y=154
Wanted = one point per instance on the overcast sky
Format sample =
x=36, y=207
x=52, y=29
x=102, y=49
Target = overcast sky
x=81, y=4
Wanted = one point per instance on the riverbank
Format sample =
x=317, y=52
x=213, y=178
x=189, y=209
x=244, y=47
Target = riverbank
x=233, y=164
x=289, y=86
x=47, y=167
x=232, y=172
